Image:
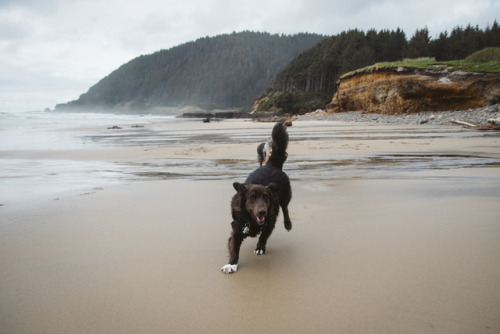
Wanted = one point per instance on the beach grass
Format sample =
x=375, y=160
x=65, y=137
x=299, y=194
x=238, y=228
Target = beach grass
x=484, y=61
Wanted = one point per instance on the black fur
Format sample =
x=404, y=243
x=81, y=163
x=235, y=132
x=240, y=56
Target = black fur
x=255, y=206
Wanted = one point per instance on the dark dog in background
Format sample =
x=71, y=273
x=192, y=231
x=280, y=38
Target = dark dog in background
x=255, y=206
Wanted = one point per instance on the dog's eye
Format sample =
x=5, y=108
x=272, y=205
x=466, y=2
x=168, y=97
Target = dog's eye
x=253, y=197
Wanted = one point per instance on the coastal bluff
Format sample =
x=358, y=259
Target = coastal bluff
x=399, y=90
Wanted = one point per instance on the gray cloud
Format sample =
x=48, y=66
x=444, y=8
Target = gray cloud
x=51, y=51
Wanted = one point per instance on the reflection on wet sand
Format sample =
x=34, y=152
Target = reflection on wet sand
x=318, y=150
x=380, y=166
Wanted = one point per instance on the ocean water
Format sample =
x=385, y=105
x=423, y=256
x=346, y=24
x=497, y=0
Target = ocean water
x=39, y=130
x=30, y=180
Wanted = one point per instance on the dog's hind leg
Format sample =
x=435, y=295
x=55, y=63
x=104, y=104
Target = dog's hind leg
x=284, y=199
x=284, y=207
x=286, y=216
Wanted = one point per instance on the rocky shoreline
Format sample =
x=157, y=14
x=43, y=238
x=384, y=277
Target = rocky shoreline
x=478, y=116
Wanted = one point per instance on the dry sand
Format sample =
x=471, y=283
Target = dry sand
x=411, y=252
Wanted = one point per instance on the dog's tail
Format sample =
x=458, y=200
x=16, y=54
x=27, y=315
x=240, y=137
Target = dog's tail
x=279, y=145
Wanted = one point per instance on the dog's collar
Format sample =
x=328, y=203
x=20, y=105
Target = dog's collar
x=247, y=228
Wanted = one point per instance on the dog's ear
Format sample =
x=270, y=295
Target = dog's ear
x=273, y=187
x=239, y=187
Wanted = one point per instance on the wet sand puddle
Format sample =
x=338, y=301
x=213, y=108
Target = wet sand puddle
x=380, y=166
x=156, y=136
x=330, y=166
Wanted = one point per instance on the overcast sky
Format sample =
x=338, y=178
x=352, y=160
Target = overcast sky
x=51, y=51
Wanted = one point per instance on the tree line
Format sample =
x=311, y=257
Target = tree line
x=309, y=81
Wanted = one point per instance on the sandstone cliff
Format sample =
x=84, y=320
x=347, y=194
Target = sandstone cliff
x=398, y=90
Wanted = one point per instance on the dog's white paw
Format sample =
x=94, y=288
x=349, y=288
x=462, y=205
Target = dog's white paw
x=259, y=252
x=229, y=268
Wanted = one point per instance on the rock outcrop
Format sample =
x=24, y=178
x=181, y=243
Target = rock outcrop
x=408, y=90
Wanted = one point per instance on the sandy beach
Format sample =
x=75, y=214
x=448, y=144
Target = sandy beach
x=396, y=229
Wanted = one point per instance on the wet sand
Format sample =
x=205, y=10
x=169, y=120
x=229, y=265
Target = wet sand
x=405, y=251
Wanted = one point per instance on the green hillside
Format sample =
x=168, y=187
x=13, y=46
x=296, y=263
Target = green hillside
x=222, y=72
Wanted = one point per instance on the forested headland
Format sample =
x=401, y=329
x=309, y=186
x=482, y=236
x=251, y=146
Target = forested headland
x=222, y=72
x=286, y=73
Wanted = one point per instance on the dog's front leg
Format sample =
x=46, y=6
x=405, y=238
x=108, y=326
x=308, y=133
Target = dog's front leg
x=261, y=245
x=234, y=245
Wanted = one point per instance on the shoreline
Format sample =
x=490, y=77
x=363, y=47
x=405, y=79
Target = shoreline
x=226, y=150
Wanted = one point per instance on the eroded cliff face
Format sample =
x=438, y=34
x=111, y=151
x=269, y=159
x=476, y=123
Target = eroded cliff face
x=407, y=90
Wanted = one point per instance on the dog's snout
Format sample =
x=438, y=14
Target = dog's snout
x=262, y=213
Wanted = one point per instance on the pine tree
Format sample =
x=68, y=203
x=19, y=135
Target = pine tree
x=419, y=44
